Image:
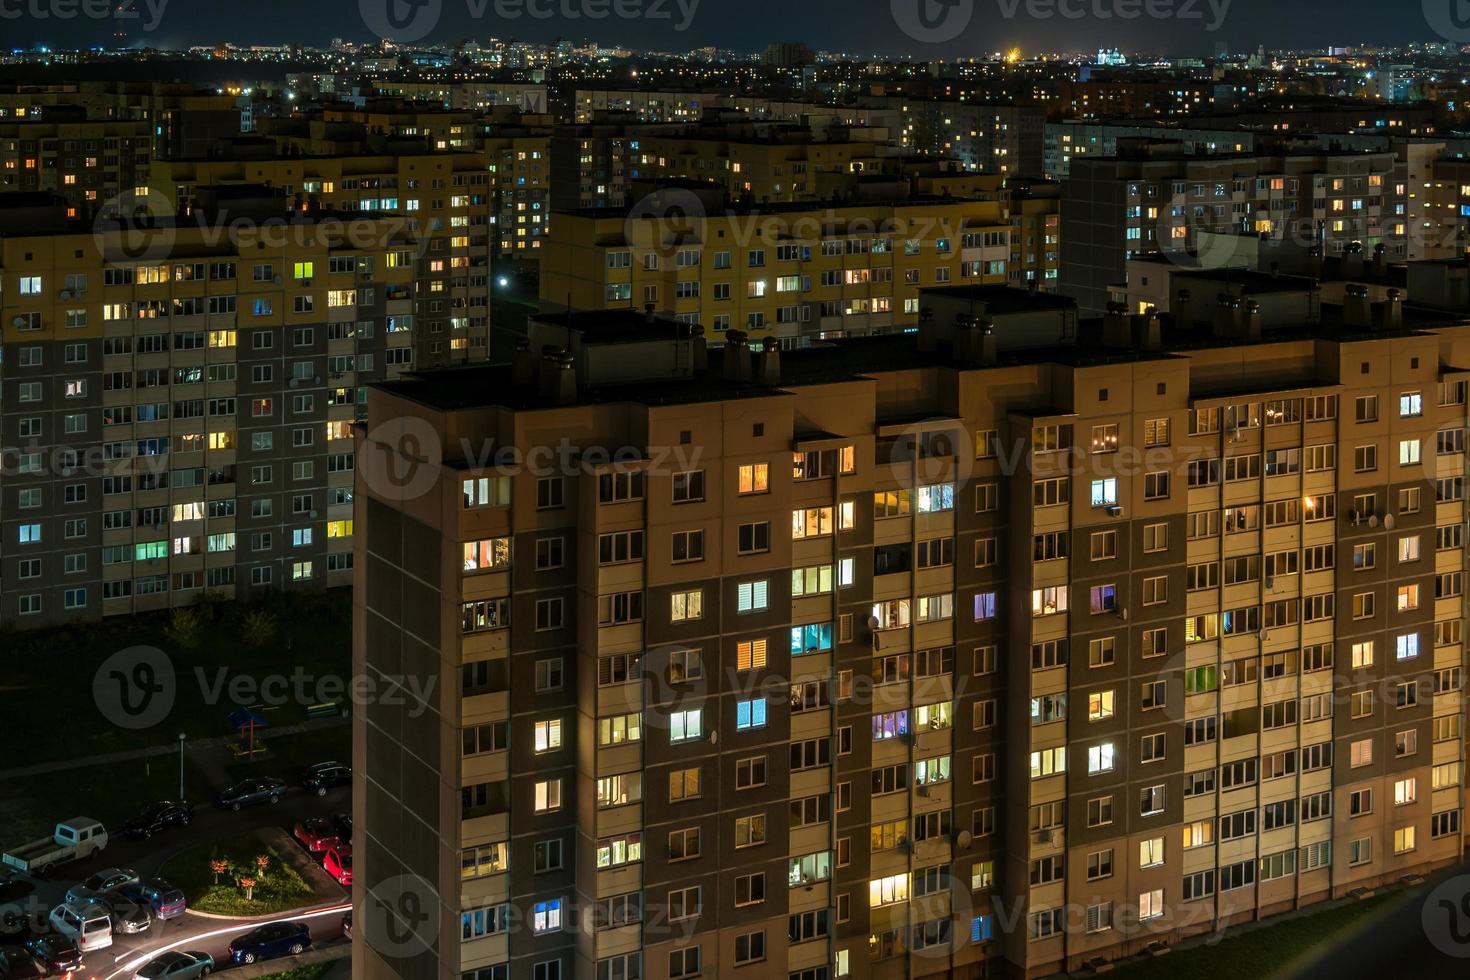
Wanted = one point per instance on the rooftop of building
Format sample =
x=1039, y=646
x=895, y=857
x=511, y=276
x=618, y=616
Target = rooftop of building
x=743, y=207
x=845, y=359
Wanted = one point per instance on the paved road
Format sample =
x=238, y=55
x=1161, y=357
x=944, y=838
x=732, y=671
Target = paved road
x=188, y=931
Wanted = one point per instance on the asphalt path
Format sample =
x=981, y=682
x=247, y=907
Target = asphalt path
x=31, y=900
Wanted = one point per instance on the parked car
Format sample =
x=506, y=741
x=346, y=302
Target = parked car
x=315, y=833
x=326, y=775
x=163, y=899
x=102, y=881
x=249, y=792
x=72, y=839
x=159, y=816
x=338, y=864
x=88, y=925
x=185, y=965
x=270, y=941
x=57, y=954
x=16, y=963
x=128, y=917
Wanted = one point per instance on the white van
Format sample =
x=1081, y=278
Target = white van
x=89, y=925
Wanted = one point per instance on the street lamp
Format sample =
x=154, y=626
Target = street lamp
x=182, y=736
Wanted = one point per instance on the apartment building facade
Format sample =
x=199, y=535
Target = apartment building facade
x=179, y=403
x=514, y=152
x=442, y=197
x=998, y=138
x=1157, y=199
x=934, y=655
x=785, y=271
x=90, y=163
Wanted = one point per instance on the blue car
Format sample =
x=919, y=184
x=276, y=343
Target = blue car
x=270, y=941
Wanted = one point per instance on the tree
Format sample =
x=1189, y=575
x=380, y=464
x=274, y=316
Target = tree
x=259, y=627
x=262, y=864
x=219, y=866
x=248, y=884
x=185, y=627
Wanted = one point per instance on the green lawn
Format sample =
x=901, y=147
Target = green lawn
x=280, y=889
x=315, y=972
x=31, y=807
x=46, y=694
x=1261, y=953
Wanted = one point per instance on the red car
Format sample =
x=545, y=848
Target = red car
x=316, y=834
x=338, y=864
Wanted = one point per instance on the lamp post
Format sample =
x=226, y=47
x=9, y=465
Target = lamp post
x=182, y=736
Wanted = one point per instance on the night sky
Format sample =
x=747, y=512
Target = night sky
x=859, y=26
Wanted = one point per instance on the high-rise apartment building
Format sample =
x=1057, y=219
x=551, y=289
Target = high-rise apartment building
x=997, y=139
x=88, y=162
x=515, y=149
x=1011, y=646
x=786, y=271
x=1156, y=198
x=179, y=400
x=444, y=198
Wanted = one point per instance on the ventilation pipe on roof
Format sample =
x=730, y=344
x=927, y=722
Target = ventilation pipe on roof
x=1250, y=321
x=1356, y=309
x=736, y=363
x=1227, y=316
x=1391, y=312
x=770, y=363
x=547, y=370
x=927, y=340
x=1184, y=310
x=566, y=380
x=522, y=366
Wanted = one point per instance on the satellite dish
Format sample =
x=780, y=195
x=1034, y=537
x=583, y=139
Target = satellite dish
x=962, y=839
x=1388, y=522
x=872, y=622
x=1373, y=520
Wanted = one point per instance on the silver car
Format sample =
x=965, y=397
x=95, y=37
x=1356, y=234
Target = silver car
x=104, y=880
x=128, y=917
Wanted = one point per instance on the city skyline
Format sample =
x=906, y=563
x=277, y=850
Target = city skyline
x=914, y=29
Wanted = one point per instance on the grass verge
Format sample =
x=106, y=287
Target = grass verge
x=1262, y=952
x=313, y=972
x=279, y=889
